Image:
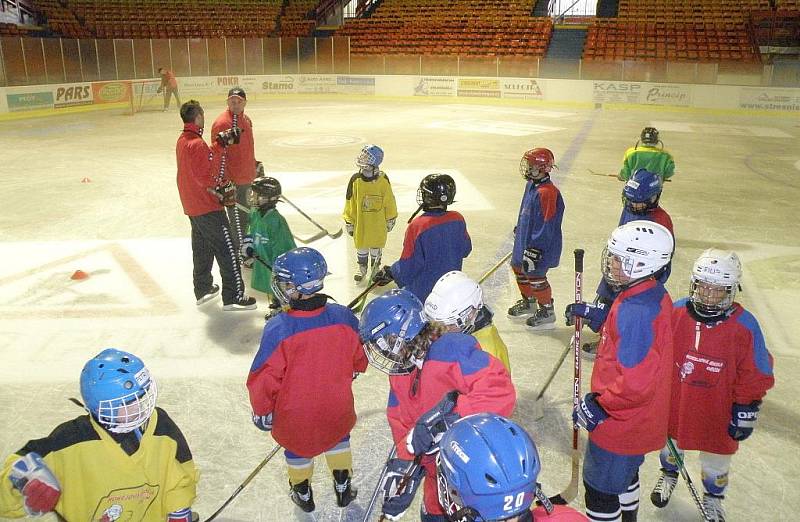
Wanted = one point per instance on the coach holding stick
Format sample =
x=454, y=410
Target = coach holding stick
x=240, y=158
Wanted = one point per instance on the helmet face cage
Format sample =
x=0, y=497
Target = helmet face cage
x=616, y=269
x=396, y=354
x=298, y=272
x=642, y=191
x=131, y=411
x=449, y=498
x=436, y=191
x=369, y=160
x=265, y=191
x=711, y=299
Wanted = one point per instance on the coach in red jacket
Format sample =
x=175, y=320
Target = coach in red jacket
x=240, y=159
x=199, y=175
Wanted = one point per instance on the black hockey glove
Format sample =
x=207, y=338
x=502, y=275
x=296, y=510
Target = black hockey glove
x=399, y=486
x=432, y=425
x=384, y=276
x=530, y=258
x=229, y=137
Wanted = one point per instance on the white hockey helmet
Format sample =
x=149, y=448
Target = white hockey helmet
x=454, y=301
x=636, y=250
x=715, y=279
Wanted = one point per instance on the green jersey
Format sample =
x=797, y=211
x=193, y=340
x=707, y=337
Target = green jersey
x=653, y=159
x=271, y=238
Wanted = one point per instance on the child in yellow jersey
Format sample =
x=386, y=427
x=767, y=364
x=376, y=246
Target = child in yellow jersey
x=370, y=210
x=126, y=460
x=456, y=301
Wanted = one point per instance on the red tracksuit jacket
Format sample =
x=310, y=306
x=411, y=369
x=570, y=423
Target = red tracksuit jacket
x=198, y=170
x=240, y=158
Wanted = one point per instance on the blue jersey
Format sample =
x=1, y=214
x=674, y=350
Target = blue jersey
x=435, y=243
x=539, y=224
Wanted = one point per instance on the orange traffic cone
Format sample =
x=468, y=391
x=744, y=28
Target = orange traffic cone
x=86, y=180
x=79, y=275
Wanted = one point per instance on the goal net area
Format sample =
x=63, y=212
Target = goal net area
x=145, y=96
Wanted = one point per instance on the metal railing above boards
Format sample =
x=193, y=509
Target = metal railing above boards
x=35, y=61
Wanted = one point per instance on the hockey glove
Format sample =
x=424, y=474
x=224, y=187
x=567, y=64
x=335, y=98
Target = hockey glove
x=595, y=315
x=159, y=90
x=246, y=250
x=384, y=276
x=350, y=228
x=260, y=170
x=530, y=258
x=743, y=420
x=229, y=137
x=431, y=427
x=399, y=486
x=263, y=422
x=39, y=487
x=589, y=414
x=390, y=224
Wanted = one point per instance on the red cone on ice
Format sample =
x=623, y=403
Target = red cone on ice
x=79, y=275
x=86, y=180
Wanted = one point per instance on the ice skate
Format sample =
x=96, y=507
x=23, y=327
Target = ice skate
x=211, y=294
x=664, y=487
x=302, y=495
x=245, y=303
x=361, y=274
x=522, y=308
x=343, y=487
x=713, y=506
x=543, y=319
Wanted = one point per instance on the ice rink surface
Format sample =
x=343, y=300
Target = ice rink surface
x=96, y=192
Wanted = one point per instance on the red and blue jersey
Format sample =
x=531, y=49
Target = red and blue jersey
x=435, y=243
x=303, y=374
x=633, y=371
x=716, y=364
x=539, y=224
x=455, y=361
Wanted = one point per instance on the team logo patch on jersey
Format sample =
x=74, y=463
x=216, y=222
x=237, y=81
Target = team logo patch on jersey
x=686, y=369
x=111, y=514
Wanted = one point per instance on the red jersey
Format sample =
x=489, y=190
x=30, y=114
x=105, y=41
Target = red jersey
x=303, y=374
x=633, y=371
x=240, y=158
x=198, y=170
x=455, y=361
x=716, y=365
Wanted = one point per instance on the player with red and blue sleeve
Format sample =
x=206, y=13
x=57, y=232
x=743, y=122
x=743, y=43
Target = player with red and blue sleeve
x=537, y=240
x=627, y=411
x=300, y=382
x=424, y=364
x=435, y=242
x=722, y=371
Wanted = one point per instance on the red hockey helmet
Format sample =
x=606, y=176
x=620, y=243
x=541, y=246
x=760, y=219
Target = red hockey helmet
x=536, y=163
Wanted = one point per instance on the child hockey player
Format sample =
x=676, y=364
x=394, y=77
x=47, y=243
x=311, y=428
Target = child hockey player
x=487, y=469
x=424, y=364
x=268, y=235
x=456, y=302
x=537, y=240
x=435, y=242
x=127, y=457
x=370, y=210
x=721, y=374
x=627, y=411
x=640, y=200
x=302, y=375
x=647, y=156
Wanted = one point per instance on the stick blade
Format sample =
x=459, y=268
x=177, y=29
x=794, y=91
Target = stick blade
x=315, y=237
x=336, y=234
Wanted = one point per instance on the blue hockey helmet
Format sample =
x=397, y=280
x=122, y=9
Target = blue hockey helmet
x=388, y=328
x=486, y=469
x=298, y=271
x=370, y=156
x=118, y=391
x=642, y=191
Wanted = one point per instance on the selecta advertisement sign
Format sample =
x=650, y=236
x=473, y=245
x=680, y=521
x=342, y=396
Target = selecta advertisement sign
x=522, y=88
x=111, y=92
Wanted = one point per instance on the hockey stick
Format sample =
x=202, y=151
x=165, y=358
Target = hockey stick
x=616, y=177
x=352, y=304
x=374, y=498
x=313, y=238
x=245, y=483
x=492, y=270
x=332, y=236
x=569, y=494
x=685, y=474
x=538, y=406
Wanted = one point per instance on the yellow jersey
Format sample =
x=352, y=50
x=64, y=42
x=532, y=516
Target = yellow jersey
x=491, y=342
x=368, y=205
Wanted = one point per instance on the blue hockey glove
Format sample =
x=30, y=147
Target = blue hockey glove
x=263, y=422
x=595, y=315
x=384, y=276
x=424, y=437
x=247, y=249
x=39, y=487
x=589, y=414
x=530, y=258
x=399, y=486
x=743, y=420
